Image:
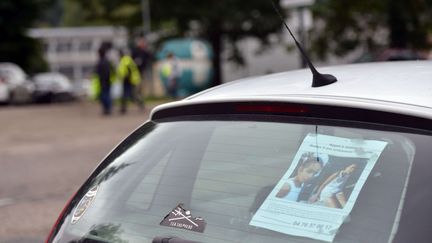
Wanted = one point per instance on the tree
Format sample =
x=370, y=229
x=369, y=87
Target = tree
x=342, y=26
x=16, y=16
x=217, y=21
x=102, y=12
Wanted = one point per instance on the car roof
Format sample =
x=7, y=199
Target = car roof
x=50, y=75
x=401, y=87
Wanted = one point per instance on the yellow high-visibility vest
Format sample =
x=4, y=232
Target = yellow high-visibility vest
x=95, y=86
x=127, y=64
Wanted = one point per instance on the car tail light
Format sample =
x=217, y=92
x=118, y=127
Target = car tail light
x=236, y=108
x=51, y=233
x=277, y=108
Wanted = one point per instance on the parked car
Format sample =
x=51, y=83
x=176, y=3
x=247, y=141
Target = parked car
x=271, y=159
x=82, y=88
x=53, y=86
x=20, y=88
x=391, y=54
x=4, y=90
x=194, y=66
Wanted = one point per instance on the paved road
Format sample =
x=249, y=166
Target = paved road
x=46, y=152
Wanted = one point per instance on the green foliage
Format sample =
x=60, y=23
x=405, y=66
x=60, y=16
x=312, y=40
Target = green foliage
x=341, y=26
x=16, y=16
x=102, y=12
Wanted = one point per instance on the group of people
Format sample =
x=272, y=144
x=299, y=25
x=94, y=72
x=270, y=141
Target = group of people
x=328, y=192
x=129, y=71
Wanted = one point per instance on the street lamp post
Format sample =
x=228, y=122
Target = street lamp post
x=302, y=32
x=145, y=9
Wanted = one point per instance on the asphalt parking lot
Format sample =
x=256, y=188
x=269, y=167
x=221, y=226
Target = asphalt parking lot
x=46, y=152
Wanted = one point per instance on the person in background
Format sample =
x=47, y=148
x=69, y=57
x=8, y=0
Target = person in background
x=143, y=58
x=171, y=70
x=128, y=73
x=102, y=80
x=141, y=55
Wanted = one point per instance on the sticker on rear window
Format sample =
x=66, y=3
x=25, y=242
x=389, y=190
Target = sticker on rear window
x=181, y=218
x=318, y=191
x=84, y=204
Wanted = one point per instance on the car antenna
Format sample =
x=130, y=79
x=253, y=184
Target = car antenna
x=318, y=79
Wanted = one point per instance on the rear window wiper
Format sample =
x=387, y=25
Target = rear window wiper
x=158, y=239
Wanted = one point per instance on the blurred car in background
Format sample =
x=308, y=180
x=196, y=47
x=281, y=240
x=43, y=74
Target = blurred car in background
x=19, y=87
x=52, y=87
x=4, y=90
x=194, y=60
x=391, y=54
x=82, y=88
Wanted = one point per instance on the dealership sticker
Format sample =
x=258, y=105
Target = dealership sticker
x=181, y=218
x=85, y=203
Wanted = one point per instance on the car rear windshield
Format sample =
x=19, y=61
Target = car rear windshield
x=246, y=180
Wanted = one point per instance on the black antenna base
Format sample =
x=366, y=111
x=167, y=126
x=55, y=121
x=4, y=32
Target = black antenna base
x=322, y=79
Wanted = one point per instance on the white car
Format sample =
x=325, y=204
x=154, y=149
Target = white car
x=19, y=88
x=4, y=90
x=52, y=86
x=271, y=159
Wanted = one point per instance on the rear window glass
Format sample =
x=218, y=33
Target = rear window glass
x=219, y=177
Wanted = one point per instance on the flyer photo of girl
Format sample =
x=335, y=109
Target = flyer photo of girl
x=337, y=182
x=309, y=166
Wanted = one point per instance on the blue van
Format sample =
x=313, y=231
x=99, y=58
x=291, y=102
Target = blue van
x=194, y=59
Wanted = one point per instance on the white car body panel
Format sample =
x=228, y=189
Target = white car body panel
x=397, y=87
x=53, y=82
x=4, y=92
x=15, y=75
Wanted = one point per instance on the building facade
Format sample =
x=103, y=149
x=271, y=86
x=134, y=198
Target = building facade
x=73, y=51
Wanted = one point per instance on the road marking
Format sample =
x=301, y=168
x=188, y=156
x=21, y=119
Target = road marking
x=6, y=201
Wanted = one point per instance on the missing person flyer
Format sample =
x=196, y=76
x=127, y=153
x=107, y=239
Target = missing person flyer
x=320, y=188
